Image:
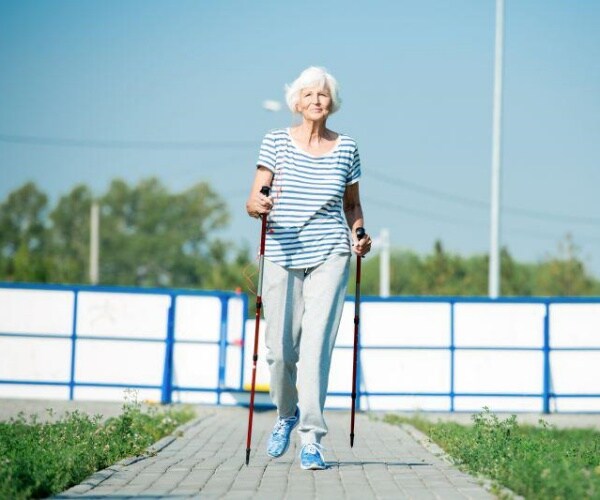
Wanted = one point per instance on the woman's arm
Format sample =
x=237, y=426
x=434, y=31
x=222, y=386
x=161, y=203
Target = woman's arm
x=354, y=217
x=257, y=203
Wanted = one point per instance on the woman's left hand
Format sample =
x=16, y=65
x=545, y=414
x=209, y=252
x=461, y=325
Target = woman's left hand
x=363, y=246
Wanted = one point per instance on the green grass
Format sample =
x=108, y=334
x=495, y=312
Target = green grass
x=537, y=462
x=38, y=459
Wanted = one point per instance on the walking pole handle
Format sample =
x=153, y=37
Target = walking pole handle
x=265, y=190
x=360, y=232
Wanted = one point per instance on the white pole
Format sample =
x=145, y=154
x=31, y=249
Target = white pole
x=384, y=263
x=94, y=242
x=494, y=267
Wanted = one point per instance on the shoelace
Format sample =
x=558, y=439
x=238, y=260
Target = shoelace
x=313, y=448
x=282, y=423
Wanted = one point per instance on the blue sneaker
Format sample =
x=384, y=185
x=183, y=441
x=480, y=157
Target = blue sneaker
x=279, y=441
x=311, y=457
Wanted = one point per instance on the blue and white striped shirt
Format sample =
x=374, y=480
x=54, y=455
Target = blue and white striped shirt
x=307, y=222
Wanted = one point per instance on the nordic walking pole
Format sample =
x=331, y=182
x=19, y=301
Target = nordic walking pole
x=263, y=232
x=360, y=234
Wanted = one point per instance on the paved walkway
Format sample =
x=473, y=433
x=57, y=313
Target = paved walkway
x=208, y=461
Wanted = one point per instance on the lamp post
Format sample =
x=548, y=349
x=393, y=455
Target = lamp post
x=384, y=263
x=94, y=242
x=494, y=265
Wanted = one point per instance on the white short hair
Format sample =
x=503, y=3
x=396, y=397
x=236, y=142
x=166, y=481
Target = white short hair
x=313, y=77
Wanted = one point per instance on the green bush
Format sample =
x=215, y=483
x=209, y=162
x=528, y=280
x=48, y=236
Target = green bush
x=38, y=459
x=538, y=462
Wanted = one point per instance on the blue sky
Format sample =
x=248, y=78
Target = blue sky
x=122, y=78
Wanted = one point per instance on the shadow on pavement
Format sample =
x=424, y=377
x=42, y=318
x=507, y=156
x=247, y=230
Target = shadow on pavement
x=383, y=462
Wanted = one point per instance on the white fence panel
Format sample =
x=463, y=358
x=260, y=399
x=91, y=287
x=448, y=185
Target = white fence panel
x=120, y=362
x=404, y=324
x=41, y=312
x=105, y=314
x=198, y=318
x=499, y=325
x=35, y=359
x=575, y=325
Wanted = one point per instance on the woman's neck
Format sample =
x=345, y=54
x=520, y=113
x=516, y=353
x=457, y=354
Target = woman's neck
x=312, y=132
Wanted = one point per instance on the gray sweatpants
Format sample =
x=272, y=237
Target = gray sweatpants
x=303, y=308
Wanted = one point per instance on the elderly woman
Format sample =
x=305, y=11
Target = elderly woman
x=313, y=213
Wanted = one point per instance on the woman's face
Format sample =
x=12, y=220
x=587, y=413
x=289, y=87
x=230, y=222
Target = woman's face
x=314, y=103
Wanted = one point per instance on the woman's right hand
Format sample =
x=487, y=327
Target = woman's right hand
x=258, y=204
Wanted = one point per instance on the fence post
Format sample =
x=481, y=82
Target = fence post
x=167, y=383
x=73, y=346
x=452, y=355
x=222, y=346
x=547, y=395
x=243, y=346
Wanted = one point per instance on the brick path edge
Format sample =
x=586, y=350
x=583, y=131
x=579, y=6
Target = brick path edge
x=102, y=475
x=489, y=484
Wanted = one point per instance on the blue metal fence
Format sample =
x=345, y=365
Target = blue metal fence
x=168, y=387
x=547, y=394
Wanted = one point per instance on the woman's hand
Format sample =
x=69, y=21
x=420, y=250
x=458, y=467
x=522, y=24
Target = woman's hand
x=258, y=204
x=363, y=246
x=354, y=216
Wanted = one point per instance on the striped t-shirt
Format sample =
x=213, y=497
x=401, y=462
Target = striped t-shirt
x=307, y=222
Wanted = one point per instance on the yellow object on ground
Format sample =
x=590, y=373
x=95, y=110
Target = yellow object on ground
x=257, y=387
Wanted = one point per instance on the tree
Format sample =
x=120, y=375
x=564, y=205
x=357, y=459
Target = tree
x=564, y=273
x=150, y=237
x=517, y=278
x=23, y=234
x=69, y=237
x=444, y=273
